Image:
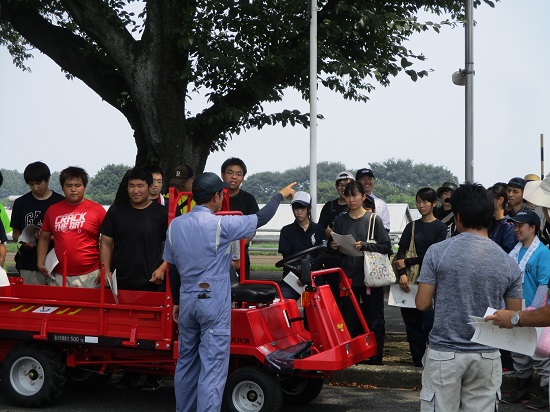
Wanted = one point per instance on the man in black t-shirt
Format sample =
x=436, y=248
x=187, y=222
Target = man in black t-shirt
x=233, y=172
x=29, y=209
x=444, y=212
x=335, y=208
x=132, y=235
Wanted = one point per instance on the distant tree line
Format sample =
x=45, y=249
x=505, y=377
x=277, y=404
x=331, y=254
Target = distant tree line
x=397, y=181
x=101, y=188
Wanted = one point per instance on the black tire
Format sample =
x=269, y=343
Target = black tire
x=298, y=390
x=252, y=389
x=34, y=375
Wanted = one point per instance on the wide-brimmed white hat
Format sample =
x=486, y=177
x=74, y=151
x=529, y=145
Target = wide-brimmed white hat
x=538, y=192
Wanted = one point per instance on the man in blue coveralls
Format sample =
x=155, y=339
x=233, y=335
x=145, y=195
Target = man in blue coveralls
x=199, y=245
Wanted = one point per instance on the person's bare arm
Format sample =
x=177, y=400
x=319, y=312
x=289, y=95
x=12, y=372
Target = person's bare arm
x=512, y=304
x=536, y=318
x=106, y=253
x=158, y=274
x=15, y=234
x=424, y=296
x=42, y=251
x=2, y=254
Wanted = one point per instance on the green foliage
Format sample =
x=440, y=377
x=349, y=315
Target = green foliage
x=101, y=188
x=13, y=185
x=104, y=185
x=239, y=54
x=397, y=181
x=402, y=173
x=264, y=184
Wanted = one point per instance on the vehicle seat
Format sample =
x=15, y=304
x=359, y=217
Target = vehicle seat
x=250, y=293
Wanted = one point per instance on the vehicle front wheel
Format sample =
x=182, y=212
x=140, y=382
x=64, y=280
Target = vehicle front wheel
x=252, y=389
x=34, y=375
x=298, y=390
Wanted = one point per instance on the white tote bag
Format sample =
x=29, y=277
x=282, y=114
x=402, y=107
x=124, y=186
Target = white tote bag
x=377, y=267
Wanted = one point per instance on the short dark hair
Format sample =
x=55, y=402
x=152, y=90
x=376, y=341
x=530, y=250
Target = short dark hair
x=369, y=203
x=154, y=169
x=498, y=190
x=139, y=173
x=474, y=204
x=73, y=172
x=234, y=161
x=427, y=194
x=36, y=172
x=354, y=187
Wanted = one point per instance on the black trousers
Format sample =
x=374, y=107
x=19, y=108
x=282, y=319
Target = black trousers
x=418, y=326
x=372, y=308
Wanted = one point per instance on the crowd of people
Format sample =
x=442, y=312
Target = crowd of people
x=472, y=248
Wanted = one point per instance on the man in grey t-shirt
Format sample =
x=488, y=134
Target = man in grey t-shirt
x=465, y=275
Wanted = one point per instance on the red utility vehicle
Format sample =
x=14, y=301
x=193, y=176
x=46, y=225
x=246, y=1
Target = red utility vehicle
x=48, y=333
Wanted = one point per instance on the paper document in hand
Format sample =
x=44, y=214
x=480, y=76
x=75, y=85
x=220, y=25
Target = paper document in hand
x=520, y=340
x=27, y=235
x=51, y=262
x=402, y=299
x=113, y=285
x=346, y=244
x=292, y=280
x=4, y=281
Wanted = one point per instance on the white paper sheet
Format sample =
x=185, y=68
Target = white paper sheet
x=346, y=244
x=51, y=262
x=113, y=285
x=402, y=299
x=27, y=235
x=4, y=281
x=520, y=340
x=292, y=280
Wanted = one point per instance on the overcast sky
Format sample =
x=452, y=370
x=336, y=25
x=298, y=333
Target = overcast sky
x=45, y=117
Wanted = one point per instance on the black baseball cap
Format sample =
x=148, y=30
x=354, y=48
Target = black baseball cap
x=208, y=183
x=445, y=187
x=363, y=172
x=180, y=175
x=527, y=216
x=517, y=182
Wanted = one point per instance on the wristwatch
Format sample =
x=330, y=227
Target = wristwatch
x=515, y=318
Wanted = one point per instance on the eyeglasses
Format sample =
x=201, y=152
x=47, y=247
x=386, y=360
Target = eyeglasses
x=341, y=185
x=159, y=181
x=233, y=173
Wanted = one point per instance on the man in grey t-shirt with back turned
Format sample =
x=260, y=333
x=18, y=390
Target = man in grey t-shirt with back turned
x=465, y=275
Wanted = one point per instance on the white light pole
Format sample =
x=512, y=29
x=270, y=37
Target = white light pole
x=469, y=101
x=465, y=77
x=313, y=108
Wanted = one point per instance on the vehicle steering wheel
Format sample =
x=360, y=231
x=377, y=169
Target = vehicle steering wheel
x=294, y=262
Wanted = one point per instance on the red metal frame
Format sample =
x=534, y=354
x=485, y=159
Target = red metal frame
x=139, y=333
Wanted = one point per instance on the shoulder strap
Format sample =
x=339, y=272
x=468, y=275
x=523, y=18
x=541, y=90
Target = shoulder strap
x=411, y=244
x=372, y=224
x=447, y=218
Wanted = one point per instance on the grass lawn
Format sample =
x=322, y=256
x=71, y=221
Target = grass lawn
x=272, y=245
x=11, y=247
x=265, y=268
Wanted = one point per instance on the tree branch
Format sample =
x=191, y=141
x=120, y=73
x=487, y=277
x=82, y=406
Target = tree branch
x=100, y=22
x=73, y=54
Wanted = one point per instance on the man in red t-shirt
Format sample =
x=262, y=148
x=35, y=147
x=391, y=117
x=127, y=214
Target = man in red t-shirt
x=74, y=224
